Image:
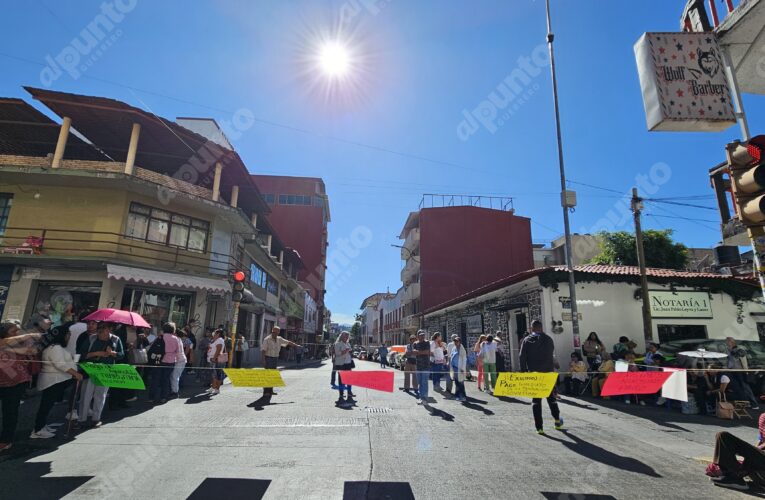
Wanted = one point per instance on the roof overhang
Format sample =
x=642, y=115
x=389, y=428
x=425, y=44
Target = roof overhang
x=743, y=33
x=173, y=280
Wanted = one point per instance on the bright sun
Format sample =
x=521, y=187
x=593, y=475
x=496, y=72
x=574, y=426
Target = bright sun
x=334, y=59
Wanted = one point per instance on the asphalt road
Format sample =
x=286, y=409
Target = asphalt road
x=303, y=446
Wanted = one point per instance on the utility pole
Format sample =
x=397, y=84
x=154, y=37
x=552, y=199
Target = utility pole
x=567, y=197
x=637, y=207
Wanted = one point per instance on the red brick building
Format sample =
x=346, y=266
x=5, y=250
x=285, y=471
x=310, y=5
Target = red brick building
x=300, y=214
x=452, y=250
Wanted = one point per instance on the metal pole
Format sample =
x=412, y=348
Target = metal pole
x=566, y=225
x=636, y=208
x=234, y=321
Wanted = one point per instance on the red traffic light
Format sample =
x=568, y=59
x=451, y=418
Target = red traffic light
x=239, y=276
x=755, y=146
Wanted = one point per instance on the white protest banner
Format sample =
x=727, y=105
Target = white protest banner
x=621, y=366
x=676, y=386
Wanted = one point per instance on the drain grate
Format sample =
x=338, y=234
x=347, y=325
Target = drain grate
x=378, y=410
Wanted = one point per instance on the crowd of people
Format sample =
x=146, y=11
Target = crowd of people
x=46, y=359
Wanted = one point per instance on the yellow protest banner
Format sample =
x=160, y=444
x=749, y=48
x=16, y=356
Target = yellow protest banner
x=251, y=377
x=525, y=385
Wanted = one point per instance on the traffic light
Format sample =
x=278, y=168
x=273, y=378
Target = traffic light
x=747, y=173
x=238, y=293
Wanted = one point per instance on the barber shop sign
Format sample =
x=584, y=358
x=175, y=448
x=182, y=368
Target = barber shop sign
x=683, y=81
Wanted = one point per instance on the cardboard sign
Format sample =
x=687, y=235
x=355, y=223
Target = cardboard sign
x=676, y=386
x=618, y=384
x=118, y=376
x=252, y=377
x=525, y=385
x=376, y=380
x=621, y=366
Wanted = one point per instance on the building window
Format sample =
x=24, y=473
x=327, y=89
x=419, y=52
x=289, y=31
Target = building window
x=166, y=228
x=669, y=333
x=272, y=286
x=295, y=199
x=269, y=197
x=258, y=276
x=5, y=210
x=158, y=306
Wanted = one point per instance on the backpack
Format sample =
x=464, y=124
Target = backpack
x=156, y=351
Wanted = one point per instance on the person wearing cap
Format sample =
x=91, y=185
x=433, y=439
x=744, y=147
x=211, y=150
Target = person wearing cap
x=270, y=348
x=58, y=371
x=410, y=367
x=538, y=355
x=421, y=350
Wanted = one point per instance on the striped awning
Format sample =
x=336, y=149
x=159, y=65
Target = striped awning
x=161, y=278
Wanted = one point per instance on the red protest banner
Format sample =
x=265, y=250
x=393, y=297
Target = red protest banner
x=377, y=380
x=619, y=383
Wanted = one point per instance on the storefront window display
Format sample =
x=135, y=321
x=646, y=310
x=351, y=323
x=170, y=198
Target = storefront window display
x=158, y=306
x=65, y=301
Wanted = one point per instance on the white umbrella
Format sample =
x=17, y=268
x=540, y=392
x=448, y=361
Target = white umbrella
x=701, y=353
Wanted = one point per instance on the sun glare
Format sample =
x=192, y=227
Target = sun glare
x=334, y=59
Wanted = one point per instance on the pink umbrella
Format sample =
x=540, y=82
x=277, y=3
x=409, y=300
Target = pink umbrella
x=118, y=316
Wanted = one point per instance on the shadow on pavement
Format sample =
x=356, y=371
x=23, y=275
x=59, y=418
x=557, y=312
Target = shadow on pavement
x=472, y=406
x=435, y=412
x=231, y=489
x=573, y=403
x=374, y=490
x=557, y=495
x=513, y=400
x=26, y=480
x=198, y=398
x=598, y=454
x=263, y=401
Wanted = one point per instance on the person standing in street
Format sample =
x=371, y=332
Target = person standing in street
x=438, y=366
x=422, y=352
x=14, y=378
x=217, y=358
x=105, y=348
x=383, y=353
x=489, y=355
x=178, y=365
x=538, y=355
x=457, y=368
x=343, y=362
x=410, y=367
x=449, y=348
x=58, y=371
x=270, y=349
x=479, y=359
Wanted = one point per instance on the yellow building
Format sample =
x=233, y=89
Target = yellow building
x=146, y=215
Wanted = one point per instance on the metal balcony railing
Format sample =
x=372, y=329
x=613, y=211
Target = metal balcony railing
x=38, y=243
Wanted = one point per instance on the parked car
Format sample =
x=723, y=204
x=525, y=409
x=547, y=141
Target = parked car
x=392, y=356
x=362, y=354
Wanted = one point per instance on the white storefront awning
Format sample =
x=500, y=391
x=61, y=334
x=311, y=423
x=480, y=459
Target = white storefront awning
x=152, y=277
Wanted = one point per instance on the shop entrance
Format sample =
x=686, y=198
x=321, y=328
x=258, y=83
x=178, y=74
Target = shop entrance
x=65, y=301
x=158, y=306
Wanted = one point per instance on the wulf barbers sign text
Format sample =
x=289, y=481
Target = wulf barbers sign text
x=679, y=304
x=683, y=82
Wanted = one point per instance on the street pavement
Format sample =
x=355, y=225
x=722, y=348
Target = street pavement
x=386, y=446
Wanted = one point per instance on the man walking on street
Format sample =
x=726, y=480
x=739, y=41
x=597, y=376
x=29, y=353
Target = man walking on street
x=537, y=355
x=410, y=367
x=383, y=353
x=422, y=352
x=270, y=349
x=449, y=350
x=489, y=356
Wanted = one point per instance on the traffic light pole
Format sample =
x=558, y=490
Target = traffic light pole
x=756, y=234
x=566, y=224
x=234, y=321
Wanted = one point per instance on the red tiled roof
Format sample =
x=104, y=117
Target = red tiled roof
x=635, y=271
x=651, y=272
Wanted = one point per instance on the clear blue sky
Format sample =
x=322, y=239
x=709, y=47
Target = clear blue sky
x=420, y=64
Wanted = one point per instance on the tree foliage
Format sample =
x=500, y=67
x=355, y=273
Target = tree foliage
x=356, y=333
x=660, y=249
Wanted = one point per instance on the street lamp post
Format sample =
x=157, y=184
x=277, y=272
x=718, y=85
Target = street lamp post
x=565, y=202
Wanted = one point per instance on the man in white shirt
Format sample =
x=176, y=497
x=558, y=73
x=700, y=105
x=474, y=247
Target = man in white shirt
x=449, y=349
x=270, y=348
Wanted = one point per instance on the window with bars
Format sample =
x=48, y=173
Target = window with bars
x=155, y=225
x=295, y=199
x=5, y=210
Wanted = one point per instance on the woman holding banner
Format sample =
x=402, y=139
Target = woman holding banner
x=104, y=348
x=343, y=362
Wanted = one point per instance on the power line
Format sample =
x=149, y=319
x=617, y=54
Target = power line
x=678, y=203
x=683, y=218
